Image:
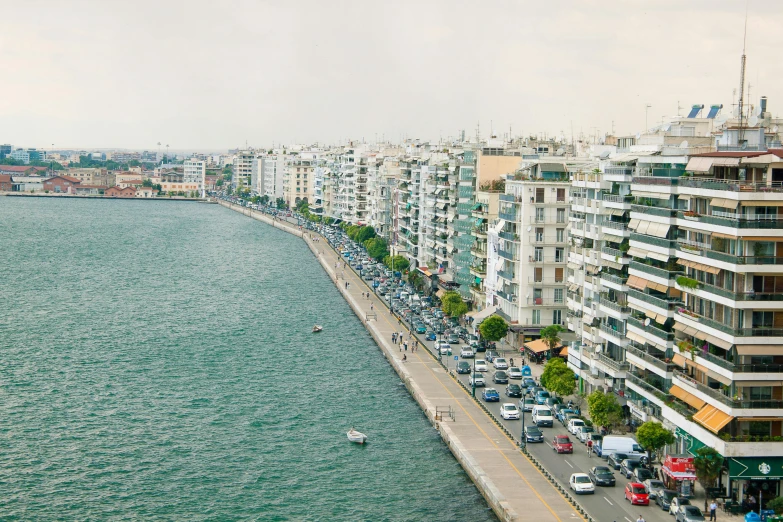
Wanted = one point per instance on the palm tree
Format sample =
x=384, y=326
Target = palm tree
x=551, y=336
x=708, y=464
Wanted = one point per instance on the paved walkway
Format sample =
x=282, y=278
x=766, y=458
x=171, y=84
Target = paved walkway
x=514, y=488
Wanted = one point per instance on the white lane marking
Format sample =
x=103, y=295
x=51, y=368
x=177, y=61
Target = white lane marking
x=572, y=467
x=610, y=502
x=628, y=519
x=548, y=444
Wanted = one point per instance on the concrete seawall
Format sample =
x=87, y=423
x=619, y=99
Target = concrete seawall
x=503, y=475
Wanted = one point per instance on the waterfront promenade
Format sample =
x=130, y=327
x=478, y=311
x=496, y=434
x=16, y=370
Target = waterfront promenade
x=513, y=487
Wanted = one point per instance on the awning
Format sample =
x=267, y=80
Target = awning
x=637, y=252
x=539, y=346
x=642, y=227
x=616, y=266
x=679, y=360
x=637, y=282
x=563, y=352
x=688, y=398
x=499, y=265
x=712, y=418
x=633, y=224
x=759, y=419
x=678, y=475
x=659, y=257
x=635, y=337
x=657, y=286
x=724, y=236
x=699, y=164
x=762, y=203
x=724, y=203
x=424, y=270
x=480, y=315
x=748, y=384
x=759, y=349
x=500, y=224
x=658, y=229
x=617, y=212
x=718, y=342
x=573, y=287
x=725, y=162
x=478, y=222
x=573, y=266
x=591, y=270
x=440, y=293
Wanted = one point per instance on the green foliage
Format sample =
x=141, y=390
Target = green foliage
x=453, y=305
x=158, y=187
x=776, y=504
x=558, y=377
x=653, y=437
x=377, y=248
x=397, y=263
x=264, y=200
x=551, y=335
x=280, y=203
x=365, y=233
x=493, y=328
x=687, y=282
x=708, y=464
x=146, y=183
x=604, y=409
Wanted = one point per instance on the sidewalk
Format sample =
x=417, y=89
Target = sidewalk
x=513, y=487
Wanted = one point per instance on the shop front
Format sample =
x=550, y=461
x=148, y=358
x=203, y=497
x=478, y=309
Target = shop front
x=755, y=480
x=679, y=474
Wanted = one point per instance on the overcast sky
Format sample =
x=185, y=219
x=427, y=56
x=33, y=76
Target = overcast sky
x=202, y=74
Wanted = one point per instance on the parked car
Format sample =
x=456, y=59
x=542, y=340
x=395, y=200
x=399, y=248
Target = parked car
x=514, y=372
x=542, y=416
x=500, y=363
x=420, y=329
x=476, y=379
x=636, y=494
x=542, y=396
x=642, y=475
x=430, y=336
x=574, y=424
x=653, y=487
x=527, y=382
x=509, y=411
x=500, y=377
x=562, y=444
x=513, y=390
x=583, y=433
x=467, y=353
x=463, y=367
x=453, y=339
x=602, y=476
x=527, y=404
x=689, y=514
x=480, y=365
x=628, y=466
x=444, y=348
x=616, y=459
x=490, y=355
x=562, y=413
x=581, y=483
x=664, y=498
x=533, y=434
x=490, y=395
x=676, y=503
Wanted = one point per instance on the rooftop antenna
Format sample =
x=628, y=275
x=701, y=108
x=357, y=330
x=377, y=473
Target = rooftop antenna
x=742, y=74
x=679, y=108
x=646, y=112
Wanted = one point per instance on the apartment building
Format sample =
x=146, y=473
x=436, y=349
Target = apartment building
x=299, y=179
x=243, y=169
x=195, y=172
x=484, y=212
x=271, y=169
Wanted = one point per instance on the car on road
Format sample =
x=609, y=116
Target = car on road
x=514, y=372
x=676, y=503
x=420, y=329
x=445, y=348
x=541, y=396
x=653, y=487
x=616, y=459
x=642, y=474
x=533, y=434
x=581, y=483
x=562, y=413
x=476, y=379
x=500, y=377
x=562, y=444
x=490, y=355
x=542, y=416
x=509, y=411
x=527, y=382
x=583, y=433
x=636, y=494
x=453, y=339
x=430, y=336
x=664, y=498
x=528, y=404
x=513, y=390
x=500, y=363
x=480, y=365
x=574, y=425
x=463, y=367
x=689, y=514
x=490, y=395
x=602, y=476
x=467, y=353
x=628, y=466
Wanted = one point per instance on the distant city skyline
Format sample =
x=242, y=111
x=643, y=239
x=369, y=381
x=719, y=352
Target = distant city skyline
x=257, y=74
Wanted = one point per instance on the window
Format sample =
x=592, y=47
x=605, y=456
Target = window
x=536, y=317
x=539, y=195
x=539, y=215
x=538, y=255
x=561, y=215
x=538, y=276
x=557, y=317
x=558, y=275
x=539, y=235
x=558, y=295
x=760, y=393
x=559, y=255
x=560, y=235
x=561, y=195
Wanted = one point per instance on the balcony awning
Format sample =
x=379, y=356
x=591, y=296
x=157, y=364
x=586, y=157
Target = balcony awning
x=679, y=360
x=687, y=330
x=499, y=265
x=591, y=270
x=616, y=266
x=699, y=164
x=657, y=286
x=659, y=257
x=633, y=224
x=698, y=266
x=499, y=226
x=573, y=266
x=617, y=212
x=637, y=252
x=641, y=309
x=718, y=342
x=636, y=337
x=688, y=398
x=759, y=349
x=759, y=419
x=658, y=229
x=761, y=203
x=573, y=287
x=745, y=384
x=724, y=203
x=726, y=162
x=482, y=314
x=642, y=226
x=712, y=418
x=539, y=346
x=637, y=282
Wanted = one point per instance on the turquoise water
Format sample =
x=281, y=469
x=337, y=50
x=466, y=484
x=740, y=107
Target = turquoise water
x=157, y=364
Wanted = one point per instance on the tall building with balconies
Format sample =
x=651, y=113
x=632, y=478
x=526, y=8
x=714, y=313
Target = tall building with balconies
x=484, y=212
x=243, y=169
x=195, y=171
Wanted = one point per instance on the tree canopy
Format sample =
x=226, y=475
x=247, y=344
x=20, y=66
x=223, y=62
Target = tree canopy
x=558, y=377
x=551, y=335
x=653, y=437
x=376, y=248
x=397, y=263
x=493, y=328
x=604, y=409
x=707, y=464
x=453, y=305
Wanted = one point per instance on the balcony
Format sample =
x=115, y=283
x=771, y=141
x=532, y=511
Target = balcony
x=688, y=382
x=659, y=393
x=619, y=308
x=654, y=211
x=545, y=281
x=731, y=185
x=618, y=280
x=511, y=298
x=508, y=216
x=619, y=171
x=731, y=220
x=545, y=301
x=653, y=328
x=618, y=366
x=617, y=254
x=508, y=236
x=655, y=271
x=738, y=296
x=506, y=274
x=546, y=259
x=756, y=331
x=655, y=241
x=615, y=332
x=615, y=228
x=651, y=359
x=506, y=255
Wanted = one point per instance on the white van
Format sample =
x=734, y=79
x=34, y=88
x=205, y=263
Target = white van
x=542, y=416
x=619, y=444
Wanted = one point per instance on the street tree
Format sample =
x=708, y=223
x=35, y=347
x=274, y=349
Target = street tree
x=653, y=437
x=563, y=384
x=397, y=263
x=377, y=248
x=493, y=328
x=551, y=336
x=453, y=305
x=365, y=233
x=553, y=369
x=707, y=464
x=604, y=409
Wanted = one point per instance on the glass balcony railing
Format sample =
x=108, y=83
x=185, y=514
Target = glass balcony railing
x=614, y=278
x=619, y=308
x=655, y=271
x=506, y=255
x=611, y=363
x=736, y=222
x=506, y=274
x=665, y=303
x=655, y=241
x=508, y=216
x=654, y=211
x=651, y=359
x=755, y=331
x=653, y=328
x=649, y=387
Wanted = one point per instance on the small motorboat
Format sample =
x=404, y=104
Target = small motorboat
x=317, y=328
x=357, y=437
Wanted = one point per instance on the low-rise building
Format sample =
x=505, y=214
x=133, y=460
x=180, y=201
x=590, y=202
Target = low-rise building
x=117, y=192
x=90, y=190
x=61, y=184
x=5, y=183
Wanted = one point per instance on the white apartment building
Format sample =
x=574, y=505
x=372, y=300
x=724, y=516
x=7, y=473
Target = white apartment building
x=195, y=171
x=243, y=169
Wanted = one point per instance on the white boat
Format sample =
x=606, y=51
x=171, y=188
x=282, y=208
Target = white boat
x=357, y=437
x=317, y=328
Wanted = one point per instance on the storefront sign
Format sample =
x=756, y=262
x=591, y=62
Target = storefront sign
x=756, y=468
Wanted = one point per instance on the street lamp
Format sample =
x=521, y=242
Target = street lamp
x=473, y=376
x=522, y=440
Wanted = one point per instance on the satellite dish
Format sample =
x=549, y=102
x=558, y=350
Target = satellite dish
x=758, y=111
x=638, y=135
x=529, y=229
x=775, y=128
x=647, y=322
x=684, y=144
x=598, y=348
x=600, y=268
x=753, y=121
x=721, y=120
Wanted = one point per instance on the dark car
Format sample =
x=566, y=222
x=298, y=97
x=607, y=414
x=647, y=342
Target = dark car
x=463, y=367
x=528, y=382
x=641, y=474
x=689, y=514
x=615, y=459
x=562, y=413
x=533, y=434
x=628, y=466
x=513, y=390
x=664, y=498
x=490, y=395
x=602, y=476
x=490, y=355
x=500, y=377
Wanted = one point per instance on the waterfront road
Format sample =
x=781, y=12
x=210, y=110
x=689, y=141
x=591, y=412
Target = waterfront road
x=512, y=485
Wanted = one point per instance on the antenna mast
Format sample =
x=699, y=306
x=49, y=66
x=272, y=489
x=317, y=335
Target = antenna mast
x=742, y=77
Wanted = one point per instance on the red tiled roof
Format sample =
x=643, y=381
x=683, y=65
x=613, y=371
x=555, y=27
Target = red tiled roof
x=5, y=178
x=139, y=181
x=20, y=168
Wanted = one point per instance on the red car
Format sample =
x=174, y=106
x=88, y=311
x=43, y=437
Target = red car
x=562, y=444
x=636, y=493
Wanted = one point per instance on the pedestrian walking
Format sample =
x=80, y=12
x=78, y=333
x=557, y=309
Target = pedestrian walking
x=371, y=307
x=589, y=448
x=346, y=285
x=405, y=344
x=640, y=519
x=404, y=358
x=394, y=337
x=713, y=511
